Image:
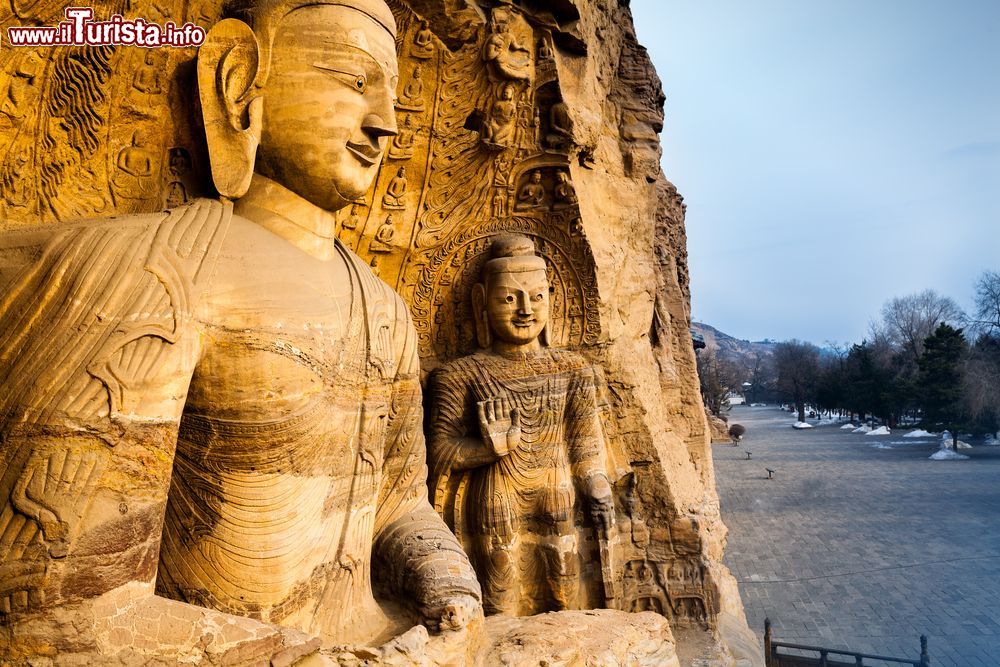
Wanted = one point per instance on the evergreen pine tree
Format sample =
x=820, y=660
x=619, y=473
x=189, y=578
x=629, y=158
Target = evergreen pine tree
x=939, y=382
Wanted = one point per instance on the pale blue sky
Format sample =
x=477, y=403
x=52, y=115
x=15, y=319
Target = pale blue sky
x=832, y=153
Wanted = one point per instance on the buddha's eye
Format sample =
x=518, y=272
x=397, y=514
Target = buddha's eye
x=510, y=298
x=358, y=82
x=537, y=297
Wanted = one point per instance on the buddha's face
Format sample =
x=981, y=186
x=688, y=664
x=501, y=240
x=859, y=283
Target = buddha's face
x=517, y=303
x=328, y=104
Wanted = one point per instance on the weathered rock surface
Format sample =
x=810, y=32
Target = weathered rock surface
x=541, y=120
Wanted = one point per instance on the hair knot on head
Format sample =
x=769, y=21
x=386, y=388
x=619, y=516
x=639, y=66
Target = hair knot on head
x=512, y=245
x=512, y=253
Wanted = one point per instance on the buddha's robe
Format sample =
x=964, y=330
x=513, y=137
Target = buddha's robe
x=516, y=515
x=292, y=402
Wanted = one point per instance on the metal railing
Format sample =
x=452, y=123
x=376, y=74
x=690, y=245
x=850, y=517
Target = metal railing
x=774, y=658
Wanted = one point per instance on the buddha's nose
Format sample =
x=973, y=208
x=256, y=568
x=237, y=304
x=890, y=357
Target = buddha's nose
x=378, y=125
x=524, y=304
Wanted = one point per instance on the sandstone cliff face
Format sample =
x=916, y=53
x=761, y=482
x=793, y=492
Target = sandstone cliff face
x=531, y=117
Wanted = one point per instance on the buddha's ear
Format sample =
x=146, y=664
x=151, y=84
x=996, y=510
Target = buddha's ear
x=228, y=64
x=483, y=334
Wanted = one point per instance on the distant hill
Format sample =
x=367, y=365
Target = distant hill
x=741, y=351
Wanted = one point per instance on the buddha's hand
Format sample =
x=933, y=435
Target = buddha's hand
x=500, y=425
x=602, y=505
x=450, y=613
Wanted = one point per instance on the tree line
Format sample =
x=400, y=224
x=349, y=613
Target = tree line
x=924, y=359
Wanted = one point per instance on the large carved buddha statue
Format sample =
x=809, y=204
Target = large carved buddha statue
x=229, y=378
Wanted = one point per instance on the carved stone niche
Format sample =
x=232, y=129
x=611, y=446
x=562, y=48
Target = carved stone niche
x=555, y=130
x=544, y=189
x=517, y=452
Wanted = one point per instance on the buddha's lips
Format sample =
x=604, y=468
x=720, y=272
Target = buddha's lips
x=364, y=152
x=523, y=321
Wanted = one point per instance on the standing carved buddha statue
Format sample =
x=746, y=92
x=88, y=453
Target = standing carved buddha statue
x=516, y=444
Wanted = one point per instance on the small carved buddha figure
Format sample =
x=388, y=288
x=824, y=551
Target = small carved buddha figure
x=423, y=42
x=176, y=194
x=383, y=237
x=147, y=78
x=515, y=443
x=560, y=126
x=354, y=219
x=21, y=83
x=396, y=190
x=498, y=131
x=532, y=193
x=402, y=144
x=544, y=50
x=412, y=98
x=179, y=161
x=564, y=192
x=134, y=177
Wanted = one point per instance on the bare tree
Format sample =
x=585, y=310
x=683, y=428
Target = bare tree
x=796, y=365
x=986, y=317
x=981, y=383
x=759, y=374
x=908, y=320
x=718, y=377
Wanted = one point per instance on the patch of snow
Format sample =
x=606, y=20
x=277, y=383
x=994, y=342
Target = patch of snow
x=801, y=425
x=947, y=455
x=881, y=430
x=992, y=440
x=862, y=429
x=919, y=433
x=848, y=426
x=881, y=445
x=946, y=442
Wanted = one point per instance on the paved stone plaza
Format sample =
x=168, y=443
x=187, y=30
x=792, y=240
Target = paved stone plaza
x=864, y=547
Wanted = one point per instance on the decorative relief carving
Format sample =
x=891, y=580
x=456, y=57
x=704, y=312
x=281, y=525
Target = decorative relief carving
x=507, y=49
x=135, y=176
x=68, y=117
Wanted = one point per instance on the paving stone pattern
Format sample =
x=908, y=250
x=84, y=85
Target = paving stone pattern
x=856, y=547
